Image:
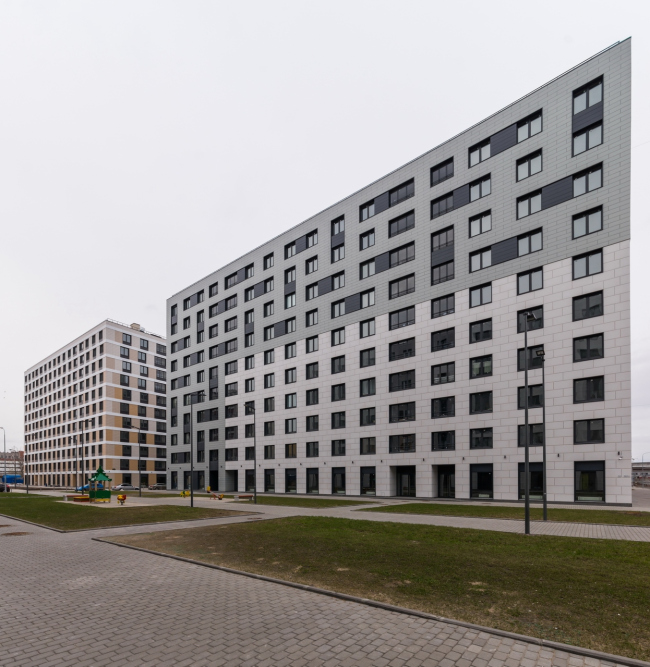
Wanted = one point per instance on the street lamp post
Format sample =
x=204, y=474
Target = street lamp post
x=540, y=354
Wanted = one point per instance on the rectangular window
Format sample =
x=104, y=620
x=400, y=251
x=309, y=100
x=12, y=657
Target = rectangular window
x=231, y=302
x=444, y=305
x=290, y=375
x=534, y=360
x=312, y=450
x=588, y=95
x=367, y=239
x=588, y=264
x=290, y=401
x=401, y=349
x=311, y=344
x=367, y=446
x=338, y=420
x=268, y=285
x=367, y=210
x=480, y=402
x=268, y=261
x=401, y=286
x=401, y=381
x=338, y=253
x=311, y=318
x=401, y=255
x=588, y=347
x=480, y=366
x=401, y=443
x=338, y=336
x=290, y=426
x=338, y=364
x=480, y=188
x=367, y=357
x=367, y=417
x=443, y=373
x=529, y=281
x=480, y=259
x=588, y=305
x=213, y=331
x=249, y=385
x=534, y=317
x=290, y=275
x=588, y=180
x=268, y=309
x=442, y=205
x=291, y=451
x=367, y=387
x=442, y=239
x=289, y=250
x=249, y=294
x=529, y=204
x=368, y=298
x=402, y=318
x=400, y=193
x=338, y=308
x=269, y=357
x=269, y=451
x=441, y=172
x=230, y=325
x=401, y=412
x=588, y=138
x=269, y=332
x=480, y=331
x=231, y=433
x=290, y=351
x=481, y=295
x=400, y=225
x=338, y=392
x=587, y=390
x=249, y=340
x=479, y=224
x=527, y=243
x=269, y=404
x=367, y=269
x=312, y=239
x=529, y=165
x=444, y=339
x=311, y=291
x=311, y=265
x=443, y=441
x=442, y=272
x=535, y=396
x=289, y=300
x=213, y=290
x=338, y=447
x=269, y=381
x=480, y=438
x=367, y=328
x=338, y=225
x=588, y=431
x=588, y=222
x=312, y=423
x=529, y=127
x=311, y=397
x=312, y=371
x=535, y=434
x=479, y=152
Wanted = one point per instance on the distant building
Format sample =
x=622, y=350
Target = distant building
x=91, y=399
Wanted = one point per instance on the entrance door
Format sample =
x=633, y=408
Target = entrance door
x=250, y=481
x=214, y=480
x=312, y=480
x=338, y=480
x=290, y=480
x=536, y=482
x=368, y=481
x=187, y=479
x=269, y=481
x=446, y=481
x=405, y=481
x=481, y=480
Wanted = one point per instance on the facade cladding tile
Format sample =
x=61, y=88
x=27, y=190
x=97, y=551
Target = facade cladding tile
x=320, y=338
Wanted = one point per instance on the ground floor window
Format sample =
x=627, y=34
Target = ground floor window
x=269, y=481
x=481, y=480
x=447, y=481
x=535, y=483
x=312, y=480
x=174, y=479
x=249, y=481
x=338, y=480
x=368, y=481
x=590, y=481
x=290, y=480
x=405, y=478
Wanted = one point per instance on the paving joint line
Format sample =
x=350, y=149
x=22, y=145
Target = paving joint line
x=567, y=648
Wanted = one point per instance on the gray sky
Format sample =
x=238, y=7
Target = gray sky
x=124, y=122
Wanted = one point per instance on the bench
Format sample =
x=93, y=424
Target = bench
x=244, y=496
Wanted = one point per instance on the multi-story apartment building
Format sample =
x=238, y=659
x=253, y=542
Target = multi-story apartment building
x=99, y=400
x=377, y=348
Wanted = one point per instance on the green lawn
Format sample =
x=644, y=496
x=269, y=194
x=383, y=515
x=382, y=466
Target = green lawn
x=620, y=517
x=317, y=503
x=49, y=511
x=585, y=592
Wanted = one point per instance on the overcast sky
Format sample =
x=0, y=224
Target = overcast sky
x=144, y=144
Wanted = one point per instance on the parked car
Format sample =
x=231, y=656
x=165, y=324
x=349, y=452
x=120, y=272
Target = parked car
x=157, y=487
x=4, y=488
x=125, y=487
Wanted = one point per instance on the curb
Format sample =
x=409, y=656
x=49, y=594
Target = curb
x=567, y=648
x=129, y=525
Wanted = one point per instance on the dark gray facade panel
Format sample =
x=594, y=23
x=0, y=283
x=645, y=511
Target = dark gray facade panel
x=338, y=239
x=587, y=117
x=280, y=328
x=214, y=382
x=301, y=244
x=241, y=275
x=382, y=262
x=443, y=255
x=325, y=286
x=461, y=196
x=381, y=203
x=200, y=326
x=214, y=465
x=502, y=141
x=352, y=303
x=504, y=251
x=290, y=287
x=221, y=349
x=249, y=328
x=557, y=193
x=258, y=290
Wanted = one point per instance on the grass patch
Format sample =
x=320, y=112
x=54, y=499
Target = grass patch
x=49, y=511
x=623, y=518
x=289, y=501
x=591, y=593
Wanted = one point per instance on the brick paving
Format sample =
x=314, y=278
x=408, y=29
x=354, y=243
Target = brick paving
x=68, y=600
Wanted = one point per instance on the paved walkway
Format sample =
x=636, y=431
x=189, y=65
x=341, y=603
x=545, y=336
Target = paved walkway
x=68, y=600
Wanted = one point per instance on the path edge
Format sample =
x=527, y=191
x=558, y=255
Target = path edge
x=567, y=648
